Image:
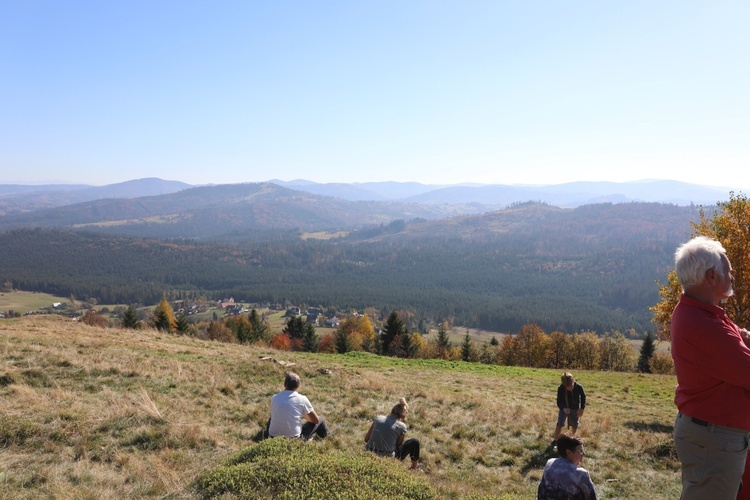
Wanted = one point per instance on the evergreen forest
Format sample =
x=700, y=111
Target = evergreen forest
x=593, y=268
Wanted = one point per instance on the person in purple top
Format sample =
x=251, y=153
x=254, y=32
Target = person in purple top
x=564, y=478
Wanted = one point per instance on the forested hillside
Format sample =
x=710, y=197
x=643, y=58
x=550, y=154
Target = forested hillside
x=591, y=268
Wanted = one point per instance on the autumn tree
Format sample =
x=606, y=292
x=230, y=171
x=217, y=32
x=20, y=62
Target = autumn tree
x=560, y=350
x=616, y=353
x=730, y=225
x=360, y=333
x=532, y=346
x=164, y=316
x=93, y=318
x=586, y=351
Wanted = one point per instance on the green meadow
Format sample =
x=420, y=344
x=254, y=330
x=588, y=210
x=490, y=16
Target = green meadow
x=112, y=413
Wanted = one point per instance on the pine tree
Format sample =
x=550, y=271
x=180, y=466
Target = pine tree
x=295, y=327
x=393, y=326
x=407, y=349
x=494, y=341
x=164, y=316
x=182, y=324
x=130, y=319
x=342, y=342
x=466, y=348
x=310, y=339
x=647, y=352
x=443, y=343
x=259, y=329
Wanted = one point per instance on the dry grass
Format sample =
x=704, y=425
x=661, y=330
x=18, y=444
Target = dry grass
x=94, y=413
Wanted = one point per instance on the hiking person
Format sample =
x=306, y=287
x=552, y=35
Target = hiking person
x=571, y=401
x=563, y=477
x=385, y=437
x=289, y=408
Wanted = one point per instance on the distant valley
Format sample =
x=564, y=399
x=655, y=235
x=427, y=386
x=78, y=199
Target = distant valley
x=495, y=267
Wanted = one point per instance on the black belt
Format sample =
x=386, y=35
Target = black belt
x=699, y=421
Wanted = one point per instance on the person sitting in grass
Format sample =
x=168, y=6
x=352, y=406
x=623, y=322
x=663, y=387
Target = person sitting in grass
x=289, y=408
x=386, y=436
x=563, y=477
x=571, y=401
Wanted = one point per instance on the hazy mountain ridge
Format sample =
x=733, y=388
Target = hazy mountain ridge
x=214, y=211
x=17, y=199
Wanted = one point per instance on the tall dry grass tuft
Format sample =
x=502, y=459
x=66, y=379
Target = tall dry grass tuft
x=147, y=404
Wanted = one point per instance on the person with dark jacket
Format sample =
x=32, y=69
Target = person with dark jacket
x=571, y=401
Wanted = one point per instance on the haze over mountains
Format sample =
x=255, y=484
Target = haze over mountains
x=463, y=252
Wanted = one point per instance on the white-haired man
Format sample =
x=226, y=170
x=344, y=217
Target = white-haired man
x=712, y=362
x=289, y=409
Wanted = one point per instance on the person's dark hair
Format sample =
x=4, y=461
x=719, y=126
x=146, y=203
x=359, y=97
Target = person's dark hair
x=401, y=409
x=291, y=381
x=565, y=442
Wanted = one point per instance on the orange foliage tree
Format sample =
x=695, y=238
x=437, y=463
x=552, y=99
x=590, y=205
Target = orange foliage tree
x=730, y=225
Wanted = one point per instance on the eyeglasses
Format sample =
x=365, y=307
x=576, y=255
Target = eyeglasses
x=579, y=450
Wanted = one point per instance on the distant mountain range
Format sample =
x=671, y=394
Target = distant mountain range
x=158, y=208
x=569, y=195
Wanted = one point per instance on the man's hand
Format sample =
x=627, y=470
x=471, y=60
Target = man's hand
x=745, y=336
x=580, y=412
x=567, y=411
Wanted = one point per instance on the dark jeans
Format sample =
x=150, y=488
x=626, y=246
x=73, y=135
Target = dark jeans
x=308, y=429
x=409, y=447
x=320, y=429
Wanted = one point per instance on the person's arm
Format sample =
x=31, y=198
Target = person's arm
x=369, y=432
x=400, y=440
x=311, y=417
x=583, y=401
x=561, y=397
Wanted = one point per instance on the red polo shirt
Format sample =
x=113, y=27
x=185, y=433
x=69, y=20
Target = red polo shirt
x=712, y=365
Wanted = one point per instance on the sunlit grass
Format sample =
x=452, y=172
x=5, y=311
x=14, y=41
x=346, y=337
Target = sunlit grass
x=96, y=413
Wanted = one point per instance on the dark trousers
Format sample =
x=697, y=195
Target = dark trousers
x=308, y=429
x=320, y=429
x=409, y=447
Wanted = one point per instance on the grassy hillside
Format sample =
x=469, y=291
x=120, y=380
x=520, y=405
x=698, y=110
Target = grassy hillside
x=92, y=413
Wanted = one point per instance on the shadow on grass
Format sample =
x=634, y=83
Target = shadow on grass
x=652, y=427
x=539, y=460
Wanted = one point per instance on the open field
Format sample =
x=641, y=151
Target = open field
x=27, y=301
x=111, y=413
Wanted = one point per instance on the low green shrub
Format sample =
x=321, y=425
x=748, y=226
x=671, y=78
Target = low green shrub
x=291, y=468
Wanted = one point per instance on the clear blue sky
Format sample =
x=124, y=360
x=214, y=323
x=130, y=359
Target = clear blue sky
x=439, y=92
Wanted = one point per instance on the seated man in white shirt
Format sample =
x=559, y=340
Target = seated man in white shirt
x=289, y=408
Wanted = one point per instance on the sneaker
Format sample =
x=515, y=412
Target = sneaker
x=417, y=469
x=553, y=444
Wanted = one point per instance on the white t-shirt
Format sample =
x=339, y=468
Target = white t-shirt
x=287, y=409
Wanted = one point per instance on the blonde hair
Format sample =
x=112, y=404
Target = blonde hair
x=401, y=409
x=567, y=379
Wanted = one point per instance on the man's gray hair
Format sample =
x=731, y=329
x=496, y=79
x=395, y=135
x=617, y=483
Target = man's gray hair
x=291, y=381
x=696, y=257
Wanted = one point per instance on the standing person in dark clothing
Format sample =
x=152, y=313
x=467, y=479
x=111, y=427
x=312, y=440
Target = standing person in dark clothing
x=571, y=401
